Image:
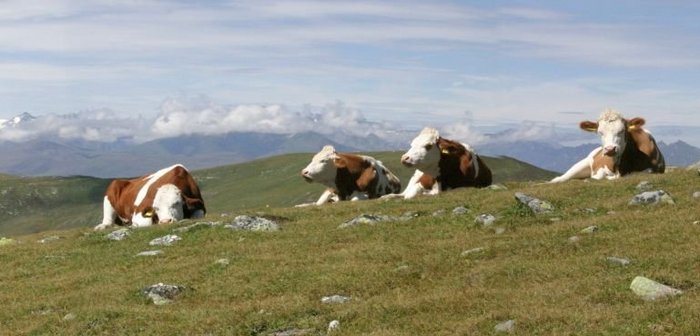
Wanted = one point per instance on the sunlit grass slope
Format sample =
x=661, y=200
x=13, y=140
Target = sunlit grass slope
x=404, y=278
x=37, y=204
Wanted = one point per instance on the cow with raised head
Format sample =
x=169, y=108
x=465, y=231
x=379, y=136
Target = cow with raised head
x=626, y=148
x=442, y=164
x=349, y=176
x=165, y=196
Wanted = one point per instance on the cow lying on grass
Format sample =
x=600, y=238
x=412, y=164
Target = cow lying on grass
x=442, y=164
x=626, y=148
x=349, y=176
x=165, y=196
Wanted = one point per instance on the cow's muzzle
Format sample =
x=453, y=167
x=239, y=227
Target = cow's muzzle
x=406, y=161
x=306, y=176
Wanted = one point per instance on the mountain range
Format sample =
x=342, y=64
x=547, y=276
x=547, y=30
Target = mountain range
x=52, y=155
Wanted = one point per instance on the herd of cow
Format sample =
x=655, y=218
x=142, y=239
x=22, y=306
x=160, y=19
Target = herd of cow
x=172, y=194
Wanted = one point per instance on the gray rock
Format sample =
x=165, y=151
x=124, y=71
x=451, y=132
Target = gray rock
x=253, y=223
x=118, y=235
x=460, y=210
x=696, y=194
x=485, y=219
x=574, y=239
x=505, y=327
x=196, y=226
x=366, y=219
x=69, y=317
x=652, y=197
x=333, y=326
x=555, y=219
x=644, y=185
x=472, y=251
x=166, y=240
x=335, y=299
x=7, y=241
x=651, y=290
x=537, y=206
x=497, y=187
x=149, y=253
x=590, y=229
x=407, y=216
x=696, y=222
x=588, y=210
x=162, y=294
x=618, y=261
x=48, y=239
x=223, y=262
x=440, y=212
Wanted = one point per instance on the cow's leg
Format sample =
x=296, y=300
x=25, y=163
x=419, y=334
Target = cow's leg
x=109, y=215
x=435, y=190
x=580, y=170
x=325, y=197
x=358, y=196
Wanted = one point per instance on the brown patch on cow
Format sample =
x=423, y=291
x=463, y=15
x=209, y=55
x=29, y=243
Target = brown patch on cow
x=457, y=167
x=122, y=194
x=600, y=160
x=426, y=181
x=353, y=175
x=357, y=174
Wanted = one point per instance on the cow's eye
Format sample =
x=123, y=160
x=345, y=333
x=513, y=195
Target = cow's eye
x=428, y=147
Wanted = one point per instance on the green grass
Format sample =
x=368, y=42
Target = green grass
x=30, y=205
x=405, y=278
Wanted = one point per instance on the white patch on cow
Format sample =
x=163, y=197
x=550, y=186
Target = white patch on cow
x=424, y=153
x=473, y=162
x=168, y=204
x=612, y=131
x=152, y=179
x=580, y=170
x=358, y=196
x=414, y=188
x=604, y=172
x=322, y=168
x=327, y=196
x=109, y=215
x=138, y=220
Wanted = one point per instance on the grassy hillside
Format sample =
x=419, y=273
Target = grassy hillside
x=37, y=204
x=404, y=278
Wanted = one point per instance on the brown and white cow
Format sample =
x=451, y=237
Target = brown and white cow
x=626, y=148
x=165, y=196
x=442, y=164
x=349, y=176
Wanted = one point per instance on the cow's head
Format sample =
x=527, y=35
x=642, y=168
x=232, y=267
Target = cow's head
x=167, y=207
x=613, y=129
x=322, y=166
x=168, y=204
x=424, y=152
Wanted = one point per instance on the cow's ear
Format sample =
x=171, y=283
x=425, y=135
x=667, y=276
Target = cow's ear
x=589, y=126
x=340, y=162
x=635, y=123
x=148, y=212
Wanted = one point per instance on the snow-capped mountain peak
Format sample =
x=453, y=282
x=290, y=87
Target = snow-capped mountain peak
x=17, y=120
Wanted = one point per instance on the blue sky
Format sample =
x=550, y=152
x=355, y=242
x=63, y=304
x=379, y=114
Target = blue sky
x=479, y=64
